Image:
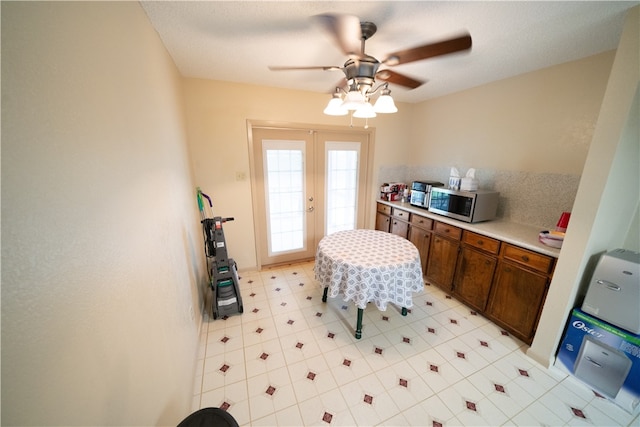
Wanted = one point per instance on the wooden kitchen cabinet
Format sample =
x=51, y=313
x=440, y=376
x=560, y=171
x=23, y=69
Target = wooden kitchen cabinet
x=476, y=266
x=519, y=291
x=420, y=236
x=399, y=222
x=383, y=222
x=506, y=283
x=383, y=217
x=443, y=255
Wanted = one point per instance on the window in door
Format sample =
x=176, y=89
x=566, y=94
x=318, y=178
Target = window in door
x=284, y=187
x=341, y=186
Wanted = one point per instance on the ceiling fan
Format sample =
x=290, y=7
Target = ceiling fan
x=361, y=70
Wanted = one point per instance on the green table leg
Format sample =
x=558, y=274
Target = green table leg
x=404, y=311
x=324, y=294
x=359, y=324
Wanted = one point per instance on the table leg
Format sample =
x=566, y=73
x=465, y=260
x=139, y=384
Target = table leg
x=324, y=294
x=404, y=311
x=359, y=324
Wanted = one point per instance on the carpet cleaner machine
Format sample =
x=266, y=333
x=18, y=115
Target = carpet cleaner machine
x=223, y=271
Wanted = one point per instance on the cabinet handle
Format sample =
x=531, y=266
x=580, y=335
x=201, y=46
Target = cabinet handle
x=525, y=258
x=446, y=230
x=507, y=269
x=480, y=242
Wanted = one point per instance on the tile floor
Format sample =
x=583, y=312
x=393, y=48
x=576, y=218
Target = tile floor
x=291, y=359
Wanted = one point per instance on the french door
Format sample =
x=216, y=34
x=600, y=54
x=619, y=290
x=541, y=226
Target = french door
x=306, y=184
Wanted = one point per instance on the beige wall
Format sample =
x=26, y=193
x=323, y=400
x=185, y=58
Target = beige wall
x=101, y=247
x=537, y=122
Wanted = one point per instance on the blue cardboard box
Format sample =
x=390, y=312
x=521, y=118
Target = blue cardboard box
x=603, y=357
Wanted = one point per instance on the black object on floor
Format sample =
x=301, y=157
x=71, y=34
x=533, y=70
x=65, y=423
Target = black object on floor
x=209, y=417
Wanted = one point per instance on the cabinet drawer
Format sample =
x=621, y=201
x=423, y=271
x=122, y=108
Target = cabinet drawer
x=385, y=209
x=400, y=214
x=447, y=230
x=481, y=242
x=422, y=222
x=531, y=259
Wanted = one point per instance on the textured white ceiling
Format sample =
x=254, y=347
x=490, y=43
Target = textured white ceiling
x=237, y=40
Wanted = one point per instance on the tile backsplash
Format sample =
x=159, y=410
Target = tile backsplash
x=525, y=197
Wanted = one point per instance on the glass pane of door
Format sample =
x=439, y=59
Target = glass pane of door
x=284, y=190
x=342, y=163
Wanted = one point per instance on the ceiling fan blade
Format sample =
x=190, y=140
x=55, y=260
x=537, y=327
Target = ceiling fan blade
x=429, y=50
x=345, y=29
x=399, y=79
x=324, y=68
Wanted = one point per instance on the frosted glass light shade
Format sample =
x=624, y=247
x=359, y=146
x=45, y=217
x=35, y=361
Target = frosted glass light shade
x=385, y=104
x=353, y=101
x=365, y=111
x=334, y=108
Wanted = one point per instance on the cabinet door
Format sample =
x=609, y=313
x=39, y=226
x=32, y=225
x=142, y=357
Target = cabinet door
x=422, y=239
x=400, y=228
x=441, y=264
x=516, y=299
x=383, y=222
x=474, y=276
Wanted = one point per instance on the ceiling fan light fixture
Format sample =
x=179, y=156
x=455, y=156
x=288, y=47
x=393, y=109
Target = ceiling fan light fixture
x=361, y=70
x=334, y=107
x=384, y=104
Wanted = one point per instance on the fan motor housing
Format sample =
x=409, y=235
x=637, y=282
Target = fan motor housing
x=367, y=66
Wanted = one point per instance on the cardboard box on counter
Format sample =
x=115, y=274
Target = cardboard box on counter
x=392, y=191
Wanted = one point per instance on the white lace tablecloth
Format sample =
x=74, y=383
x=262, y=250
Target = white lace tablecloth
x=369, y=266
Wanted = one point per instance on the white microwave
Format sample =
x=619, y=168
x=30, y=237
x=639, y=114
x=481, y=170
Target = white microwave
x=467, y=206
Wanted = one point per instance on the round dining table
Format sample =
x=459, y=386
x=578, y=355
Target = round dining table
x=368, y=266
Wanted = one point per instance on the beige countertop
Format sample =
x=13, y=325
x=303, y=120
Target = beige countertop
x=525, y=236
